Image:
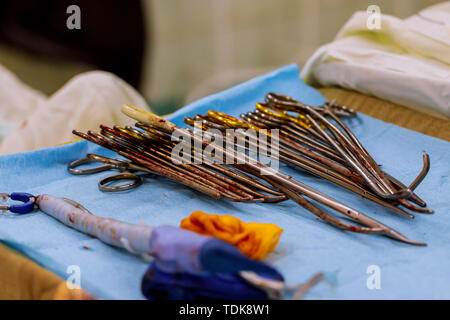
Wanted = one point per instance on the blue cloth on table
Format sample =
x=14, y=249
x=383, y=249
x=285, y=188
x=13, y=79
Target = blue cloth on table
x=307, y=244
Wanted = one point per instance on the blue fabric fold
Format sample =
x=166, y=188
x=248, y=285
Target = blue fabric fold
x=307, y=246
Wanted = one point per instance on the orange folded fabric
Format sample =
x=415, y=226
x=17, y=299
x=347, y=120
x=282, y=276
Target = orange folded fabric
x=253, y=239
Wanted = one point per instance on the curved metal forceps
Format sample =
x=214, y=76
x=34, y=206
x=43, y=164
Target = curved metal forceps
x=319, y=159
x=289, y=157
x=126, y=169
x=352, y=150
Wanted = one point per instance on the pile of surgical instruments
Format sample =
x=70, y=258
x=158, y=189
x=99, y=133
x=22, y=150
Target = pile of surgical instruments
x=314, y=139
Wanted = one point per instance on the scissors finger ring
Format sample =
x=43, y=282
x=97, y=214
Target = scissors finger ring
x=136, y=181
x=80, y=162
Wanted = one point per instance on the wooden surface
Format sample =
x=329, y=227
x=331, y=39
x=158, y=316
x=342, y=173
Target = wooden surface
x=23, y=279
x=390, y=112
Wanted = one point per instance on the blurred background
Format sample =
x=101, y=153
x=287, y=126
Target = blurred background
x=172, y=51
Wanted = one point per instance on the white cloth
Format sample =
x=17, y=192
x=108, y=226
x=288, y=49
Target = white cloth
x=406, y=61
x=30, y=120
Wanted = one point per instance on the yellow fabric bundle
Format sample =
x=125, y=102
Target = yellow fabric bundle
x=255, y=240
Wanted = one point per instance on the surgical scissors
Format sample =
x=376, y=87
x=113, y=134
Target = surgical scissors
x=126, y=169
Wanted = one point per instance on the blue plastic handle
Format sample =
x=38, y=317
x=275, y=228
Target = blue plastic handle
x=28, y=202
x=218, y=256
